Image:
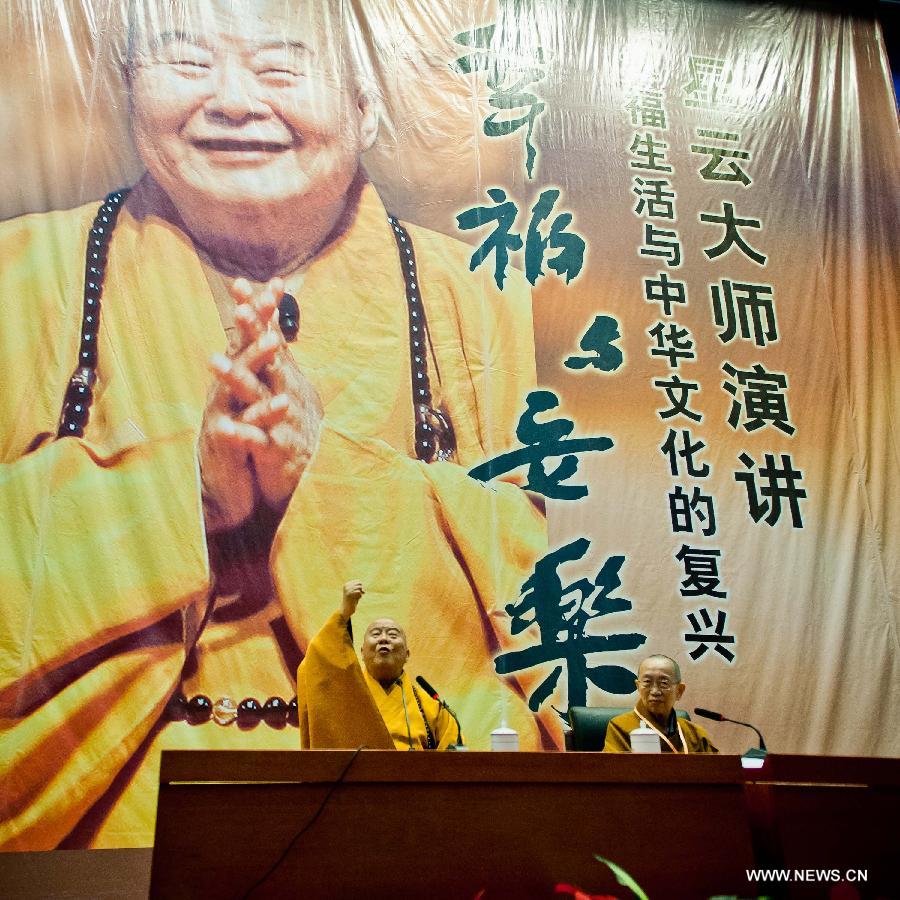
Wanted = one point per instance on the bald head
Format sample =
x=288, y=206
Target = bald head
x=660, y=686
x=247, y=117
x=321, y=25
x=384, y=651
x=662, y=659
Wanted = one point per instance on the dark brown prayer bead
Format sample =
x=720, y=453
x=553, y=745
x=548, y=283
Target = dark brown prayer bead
x=275, y=712
x=249, y=712
x=198, y=709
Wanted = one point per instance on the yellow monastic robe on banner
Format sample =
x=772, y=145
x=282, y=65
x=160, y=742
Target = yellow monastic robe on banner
x=112, y=596
x=342, y=706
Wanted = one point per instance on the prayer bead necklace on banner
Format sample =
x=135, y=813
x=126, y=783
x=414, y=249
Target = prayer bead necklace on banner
x=275, y=712
x=434, y=432
x=434, y=438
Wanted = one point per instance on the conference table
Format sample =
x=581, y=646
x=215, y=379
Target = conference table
x=376, y=824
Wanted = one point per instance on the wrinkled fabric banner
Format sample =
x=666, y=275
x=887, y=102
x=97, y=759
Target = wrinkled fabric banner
x=583, y=347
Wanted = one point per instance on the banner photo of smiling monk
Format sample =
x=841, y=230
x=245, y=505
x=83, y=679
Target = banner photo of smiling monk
x=569, y=330
x=258, y=381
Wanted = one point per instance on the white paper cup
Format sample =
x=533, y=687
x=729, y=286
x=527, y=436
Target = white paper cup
x=645, y=740
x=505, y=740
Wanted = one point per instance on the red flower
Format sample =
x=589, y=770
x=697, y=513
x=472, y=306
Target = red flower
x=579, y=894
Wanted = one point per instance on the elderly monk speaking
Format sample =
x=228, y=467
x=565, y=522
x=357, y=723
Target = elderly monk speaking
x=659, y=687
x=239, y=379
x=377, y=705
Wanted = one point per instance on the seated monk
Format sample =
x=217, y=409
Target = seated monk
x=343, y=704
x=660, y=686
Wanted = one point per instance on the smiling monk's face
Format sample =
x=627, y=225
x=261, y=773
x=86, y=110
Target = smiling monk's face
x=245, y=104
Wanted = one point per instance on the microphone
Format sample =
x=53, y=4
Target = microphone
x=428, y=689
x=435, y=696
x=718, y=717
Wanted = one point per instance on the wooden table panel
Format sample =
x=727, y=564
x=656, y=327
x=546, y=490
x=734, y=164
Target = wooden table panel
x=448, y=825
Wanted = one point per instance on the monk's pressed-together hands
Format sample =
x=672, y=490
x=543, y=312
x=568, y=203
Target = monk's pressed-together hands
x=262, y=419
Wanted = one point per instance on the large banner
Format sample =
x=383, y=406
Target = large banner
x=569, y=329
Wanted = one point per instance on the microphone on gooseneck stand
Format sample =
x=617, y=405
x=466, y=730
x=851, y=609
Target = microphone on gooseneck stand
x=435, y=696
x=428, y=688
x=754, y=753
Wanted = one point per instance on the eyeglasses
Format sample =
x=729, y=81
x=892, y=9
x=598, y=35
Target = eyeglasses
x=662, y=683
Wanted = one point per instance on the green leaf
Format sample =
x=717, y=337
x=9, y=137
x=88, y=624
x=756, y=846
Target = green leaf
x=624, y=878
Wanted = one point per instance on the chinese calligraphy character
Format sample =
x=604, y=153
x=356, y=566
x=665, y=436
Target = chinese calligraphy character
x=513, y=98
x=673, y=342
x=571, y=246
x=716, y=636
x=764, y=402
x=755, y=312
x=678, y=393
x=717, y=155
x=544, y=440
x=732, y=235
x=664, y=291
x=562, y=614
x=707, y=79
x=701, y=569
x=684, y=509
x=655, y=200
x=687, y=453
x=650, y=153
x=662, y=242
x=598, y=339
x=502, y=240
x=647, y=110
x=505, y=96
x=778, y=484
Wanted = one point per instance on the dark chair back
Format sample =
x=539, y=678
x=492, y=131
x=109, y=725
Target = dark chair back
x=589, y=725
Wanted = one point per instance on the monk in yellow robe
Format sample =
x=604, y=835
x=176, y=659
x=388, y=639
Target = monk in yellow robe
x=376, y=705
x=659, y=687
x=172, y=536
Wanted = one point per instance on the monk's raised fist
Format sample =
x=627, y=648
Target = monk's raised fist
x=353, y=591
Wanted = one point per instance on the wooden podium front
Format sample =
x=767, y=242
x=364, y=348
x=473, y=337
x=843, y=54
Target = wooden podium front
x=438, y=825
